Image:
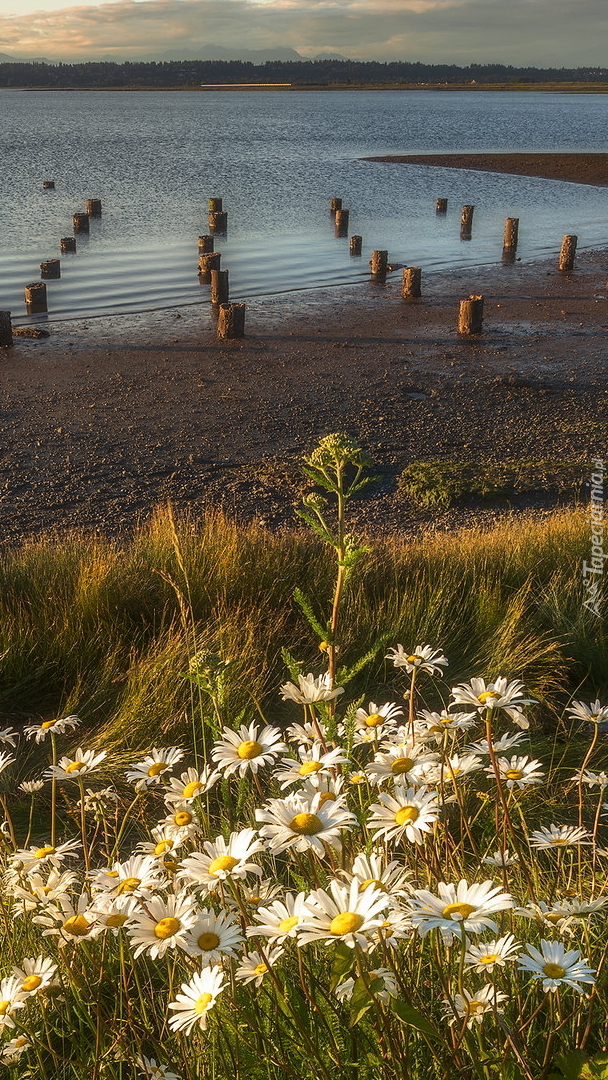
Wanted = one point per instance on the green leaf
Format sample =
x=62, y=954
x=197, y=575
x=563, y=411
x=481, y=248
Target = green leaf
x=306, y=607
x=343, y=961
x=409, y=1015
x=363, y=998
x=571, y=1065
x=291, y=664
x=510, y=1070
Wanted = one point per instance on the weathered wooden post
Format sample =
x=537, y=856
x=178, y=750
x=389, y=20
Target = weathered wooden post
x=335, y=204
x=35, y=297
x=355, y=245
x=470, y=315
x=48, y=184
x=341, y=220
x=412, y=282
x=216, y=206
x=231, y=320
x=218, y=222
x=219, y=286
x=6, y=329
x=466, y=222
x=67, y=243
x=81, y=222
x=206, y=243
x=567, y=253
x=50, y=269
x=509, y=244
x=441, y=206
x=207, y=263
x=93, y=207
x=379, y=263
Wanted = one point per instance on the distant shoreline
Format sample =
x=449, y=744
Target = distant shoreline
x=575, y=168
x=473, y=88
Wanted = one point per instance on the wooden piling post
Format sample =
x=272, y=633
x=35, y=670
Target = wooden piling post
x=341, y=220
x=219, y=287
x=355, y=245
x=470, y=315
x=81, y=222
x=50, y=269
x=466, y=222
x=35, y=297
x=93, y=207
x=441, y=206
x=567, y=253
x=509, y=244
x=49, y=185
x=412, y=282
x=6, y=329
x=218, y=222
x=205, y=243
x=379, y=263
x=216, y=206
x=67, y=243
x=207, y=263
x=231, y=320
x=335, y=204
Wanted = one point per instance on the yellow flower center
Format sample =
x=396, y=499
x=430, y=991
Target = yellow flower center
x=553, y=916
x=170, y=865
x=48, y=724
x=374, y=719
x=559, y=840
x=117, y=920
x=446, y=719
x=310, y=767
x=42, y=852
x=208, y=942
x=488, y=696
x=157, y=768
x=249, y=749
x=75, y=766
x=77, y=926
x=31, y=983
x=21, y=1041
x=306, y=824
x=224, y=862
x=554, y=971
x=112, y=873
x=489, y=958
x=401, y=765
x=371, y=881
x=182, y=818
x=288, y=924
x=260, y=969
x=162, y=846
x=407, y=814
x=514, y=774
x=202, y=1003
x=357, y=778
x=130, y=884
x=166, y=928
x=326, y=796
x=346, y=923
x=412, y=659
x=4, y=1007
x=455, y=911
x=474, y=1006
x=192, y=789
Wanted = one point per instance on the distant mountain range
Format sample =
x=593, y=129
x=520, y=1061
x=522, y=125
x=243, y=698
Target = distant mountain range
x=6, y=59
x=206, y=52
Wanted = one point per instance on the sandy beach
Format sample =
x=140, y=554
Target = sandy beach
x=107, y=417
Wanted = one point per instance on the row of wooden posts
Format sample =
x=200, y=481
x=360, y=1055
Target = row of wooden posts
x=35, y=293
x=230, y=317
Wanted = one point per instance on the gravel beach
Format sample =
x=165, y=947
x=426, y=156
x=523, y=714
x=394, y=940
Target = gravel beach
x=108, y=417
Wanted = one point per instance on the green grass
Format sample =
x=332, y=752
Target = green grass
x=444, y=483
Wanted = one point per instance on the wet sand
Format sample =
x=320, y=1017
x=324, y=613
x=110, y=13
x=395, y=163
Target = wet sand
x=575, y=168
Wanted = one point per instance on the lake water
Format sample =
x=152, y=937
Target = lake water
x=276, y=158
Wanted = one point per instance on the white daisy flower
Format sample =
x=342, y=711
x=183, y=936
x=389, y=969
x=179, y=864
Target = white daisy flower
x=182, y=824
x=501, y=858
x=303, y=824
x=378, y=716
x=556, y=966
x=6, y=759
x=112, y=912
x=12, y=998
x=348, y=915
x=330, y=788
x=423, y=658
x=35, y=974
x=438, y=723
x=308, y=733
x=69, y=923
x=151, y=1071
x=389, y=988
x=410, y=813
x=594, y=713
x=311, y=689
x=458, y=908
x=313, y=764
x=162, y=926
x=394, y=927
x=33, y=858
x=491, y=954
x=558, y=836
x=399, y=764
x=458, y=765
x=281, y=919
x=519, y=772
x=561, y=915
x=254, y=967
x=58, y=726
x=139, y=876
x=99, y=802
x=500, y=694
x=36, y=890
x=8, y=736
x=150, y=771
x=71, y=767
x=390, y=878
x=191, y=785
x=505, y=742
x=213, y=936
x=221, y=860
x=196, y=999
x=254, y=896
x=592, y=779
x=31, y=787
x=237, y=752
x=13, y=1049
x=473, y=1007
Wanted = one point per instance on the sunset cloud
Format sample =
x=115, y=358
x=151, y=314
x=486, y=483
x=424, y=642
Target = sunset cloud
x=541, y=32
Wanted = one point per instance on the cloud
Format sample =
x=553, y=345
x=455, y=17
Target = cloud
x=540, y=32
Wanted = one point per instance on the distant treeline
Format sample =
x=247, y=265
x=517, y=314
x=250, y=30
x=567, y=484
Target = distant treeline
x=299, y=73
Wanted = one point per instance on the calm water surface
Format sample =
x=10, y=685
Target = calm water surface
x=155, y=158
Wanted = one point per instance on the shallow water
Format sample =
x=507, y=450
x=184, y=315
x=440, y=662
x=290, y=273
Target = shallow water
x=154, y=159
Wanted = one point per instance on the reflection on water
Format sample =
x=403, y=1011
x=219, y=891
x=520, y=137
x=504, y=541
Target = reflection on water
x=154, y=159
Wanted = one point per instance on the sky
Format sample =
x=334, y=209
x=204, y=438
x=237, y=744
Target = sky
x=542, y=33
